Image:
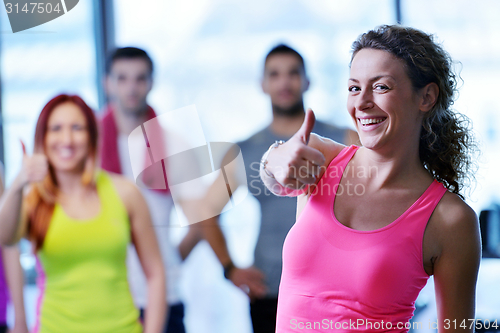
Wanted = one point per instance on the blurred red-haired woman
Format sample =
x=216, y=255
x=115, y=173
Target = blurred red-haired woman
x=80, y=221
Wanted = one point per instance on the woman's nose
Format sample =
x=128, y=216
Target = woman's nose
x=67, y=136
x=364, y=100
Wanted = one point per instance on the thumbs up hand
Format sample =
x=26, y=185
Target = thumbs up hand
x=294, y=164
x=34, y=168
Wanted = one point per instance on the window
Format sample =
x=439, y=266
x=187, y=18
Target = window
x=36, y=65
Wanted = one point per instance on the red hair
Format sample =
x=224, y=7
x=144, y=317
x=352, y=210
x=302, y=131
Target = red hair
x=41, y=198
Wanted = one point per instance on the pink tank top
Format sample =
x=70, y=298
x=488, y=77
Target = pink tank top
x=339, y=279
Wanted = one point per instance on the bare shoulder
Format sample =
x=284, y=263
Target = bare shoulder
x=329, y=148
x=455, y=224
x=126, y=189
x=453, y=213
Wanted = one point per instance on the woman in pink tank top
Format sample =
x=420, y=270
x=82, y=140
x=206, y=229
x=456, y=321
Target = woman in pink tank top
x=373, y=223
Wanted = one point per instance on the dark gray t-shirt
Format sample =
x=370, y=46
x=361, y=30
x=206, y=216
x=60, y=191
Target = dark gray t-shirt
x=278, y=213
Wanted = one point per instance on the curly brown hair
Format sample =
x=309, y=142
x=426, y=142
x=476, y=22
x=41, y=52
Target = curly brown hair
x=446, y=140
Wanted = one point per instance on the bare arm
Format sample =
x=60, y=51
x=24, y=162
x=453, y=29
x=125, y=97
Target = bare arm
x=250, y=279
x=206, y=226
x=15, y=280
x=456, y=267
x=212, y=233
x=146, y=245
x=202, y=214
x=188, y=243
x=13, y=221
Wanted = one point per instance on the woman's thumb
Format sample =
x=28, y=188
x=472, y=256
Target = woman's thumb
x=307, y=126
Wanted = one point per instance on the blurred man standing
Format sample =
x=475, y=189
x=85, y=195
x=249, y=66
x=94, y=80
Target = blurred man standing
x=129, y=79
x=285, y=82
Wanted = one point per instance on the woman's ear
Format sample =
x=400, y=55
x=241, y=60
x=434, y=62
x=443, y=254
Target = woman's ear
x=429, y=96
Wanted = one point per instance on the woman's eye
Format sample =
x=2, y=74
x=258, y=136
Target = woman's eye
x=54, y=128
x=381, y=87
x=353, y=89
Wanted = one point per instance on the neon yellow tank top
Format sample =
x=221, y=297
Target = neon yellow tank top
x=82, y=273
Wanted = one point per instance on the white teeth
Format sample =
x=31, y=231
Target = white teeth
x=368, y=121
x=65, y=153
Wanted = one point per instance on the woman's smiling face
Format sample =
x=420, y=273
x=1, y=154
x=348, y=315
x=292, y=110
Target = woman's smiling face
x=382, y=101
x=67, y=138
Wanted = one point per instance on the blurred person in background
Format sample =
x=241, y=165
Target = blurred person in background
x=80, y=221
x=285, y=81
x=11, y=284
x=129, y=79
